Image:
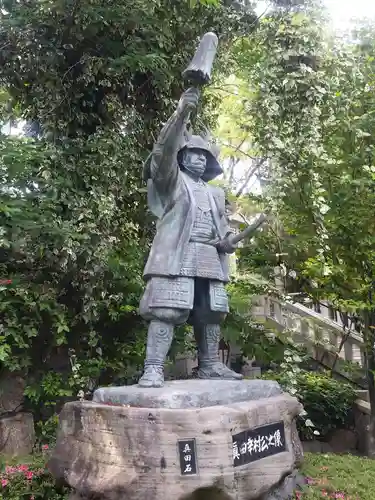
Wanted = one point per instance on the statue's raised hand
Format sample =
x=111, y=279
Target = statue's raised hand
x=188, y=102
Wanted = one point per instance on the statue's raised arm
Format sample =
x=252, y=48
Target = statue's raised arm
x=162, y=167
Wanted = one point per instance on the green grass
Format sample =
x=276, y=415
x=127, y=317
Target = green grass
x=343, y=477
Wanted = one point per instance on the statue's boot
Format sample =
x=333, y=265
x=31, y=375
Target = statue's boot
x=209, y=364
x=159, y=341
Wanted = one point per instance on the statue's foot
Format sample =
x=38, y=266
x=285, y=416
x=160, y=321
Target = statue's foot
x=218, y=370
x=153, y=376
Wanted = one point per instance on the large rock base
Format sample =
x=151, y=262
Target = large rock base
x=181, y=442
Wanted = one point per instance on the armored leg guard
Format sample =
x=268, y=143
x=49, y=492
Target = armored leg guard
x=209, y=364
x=159, y=341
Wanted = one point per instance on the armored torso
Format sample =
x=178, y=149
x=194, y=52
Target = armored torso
x=201, y=259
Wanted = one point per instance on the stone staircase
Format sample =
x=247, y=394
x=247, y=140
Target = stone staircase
x=329, y=344
x=327, y=341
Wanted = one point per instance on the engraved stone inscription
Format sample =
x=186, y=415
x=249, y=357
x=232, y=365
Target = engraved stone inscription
x=188, y=456
x=254, y=444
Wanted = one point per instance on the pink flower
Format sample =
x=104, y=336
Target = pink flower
x=4, y=482
x=23, y=468
x=32, y=497
x=45, y=447
x=29, y=474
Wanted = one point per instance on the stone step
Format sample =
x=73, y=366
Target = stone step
x=363, y=395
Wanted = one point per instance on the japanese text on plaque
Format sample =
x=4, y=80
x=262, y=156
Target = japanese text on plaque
x=252, y=445
x=188, y=458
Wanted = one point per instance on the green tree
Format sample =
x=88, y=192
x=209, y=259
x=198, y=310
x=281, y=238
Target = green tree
x=312, y=116
x=95, y=80
x=241, y=167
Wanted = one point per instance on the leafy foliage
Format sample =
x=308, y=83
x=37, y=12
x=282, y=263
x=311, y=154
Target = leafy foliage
x=93, y=81
x=314, y=120
x=307, y=113
x=311, y=116
x=327, y=402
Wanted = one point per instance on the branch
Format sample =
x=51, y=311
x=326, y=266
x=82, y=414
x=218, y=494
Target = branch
x=231, y=170
x=234, y=163
x=238, y=149
x=249, y=175
x=224, y=90
x=244, y=219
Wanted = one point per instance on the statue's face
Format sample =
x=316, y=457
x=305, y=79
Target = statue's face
x=194, y=161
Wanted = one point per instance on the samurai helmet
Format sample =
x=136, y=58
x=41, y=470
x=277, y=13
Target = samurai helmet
x=202, y=142
x=213, y=168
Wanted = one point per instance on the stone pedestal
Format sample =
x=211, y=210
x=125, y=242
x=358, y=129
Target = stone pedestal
x=220, y=439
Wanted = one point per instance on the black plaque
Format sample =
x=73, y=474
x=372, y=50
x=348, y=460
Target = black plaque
x=188, y=456
x=254, y=444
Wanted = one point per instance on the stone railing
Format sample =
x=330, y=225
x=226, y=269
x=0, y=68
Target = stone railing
x=330, y=344
x=327, y=341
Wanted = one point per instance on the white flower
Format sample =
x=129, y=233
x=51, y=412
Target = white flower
x=324, y=209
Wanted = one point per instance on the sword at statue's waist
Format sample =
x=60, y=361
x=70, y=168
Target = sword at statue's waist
x=246, y=233
x=204, y=241
x=250, y=230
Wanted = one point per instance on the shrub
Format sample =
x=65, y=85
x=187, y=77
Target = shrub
x=30, y=480
x=327, y=401
x=46, y=431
